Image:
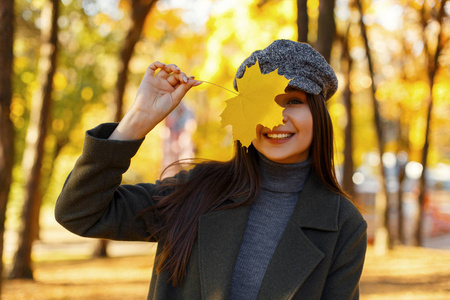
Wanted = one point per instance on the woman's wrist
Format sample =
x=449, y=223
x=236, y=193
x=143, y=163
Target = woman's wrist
x=133, y=127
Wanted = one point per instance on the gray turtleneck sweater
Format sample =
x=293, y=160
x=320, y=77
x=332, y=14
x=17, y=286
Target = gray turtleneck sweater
x=281, y=185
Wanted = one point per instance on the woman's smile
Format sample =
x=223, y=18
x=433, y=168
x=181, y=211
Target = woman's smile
x=278, y=137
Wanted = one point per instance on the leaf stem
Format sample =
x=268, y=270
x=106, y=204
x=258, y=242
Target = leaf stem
x=219, y=86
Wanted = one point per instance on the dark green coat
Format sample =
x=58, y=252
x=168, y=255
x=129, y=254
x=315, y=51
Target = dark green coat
x=320, y=255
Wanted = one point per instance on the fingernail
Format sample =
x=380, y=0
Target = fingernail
x=177, y=68
x=185, y=79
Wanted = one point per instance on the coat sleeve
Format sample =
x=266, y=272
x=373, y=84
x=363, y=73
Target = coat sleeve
x=343, y=278
x=92, y=202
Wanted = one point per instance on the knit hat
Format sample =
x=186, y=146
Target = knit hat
x=306, y=68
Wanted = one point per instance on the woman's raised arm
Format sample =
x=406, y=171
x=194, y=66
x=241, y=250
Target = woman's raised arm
x=158, y=94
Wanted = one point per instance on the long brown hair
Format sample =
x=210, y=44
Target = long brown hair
x=210, y=185
x=322, y=145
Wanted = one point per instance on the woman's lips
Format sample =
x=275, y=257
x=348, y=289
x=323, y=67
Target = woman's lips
x=278, y=137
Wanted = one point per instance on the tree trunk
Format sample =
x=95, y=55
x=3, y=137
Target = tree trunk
x=401, y=163
x=326, y=28
x=382, y=235
x=6, y=125
x=433, y=65
x=402, y=155
x=302, y=21
x=347, y=182
x=36, y=134
x=101, y=250
x=140, y=10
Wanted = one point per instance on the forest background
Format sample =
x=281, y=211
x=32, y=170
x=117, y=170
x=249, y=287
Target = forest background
x=76, y=63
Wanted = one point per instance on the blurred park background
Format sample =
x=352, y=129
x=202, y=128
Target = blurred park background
x=66, y=66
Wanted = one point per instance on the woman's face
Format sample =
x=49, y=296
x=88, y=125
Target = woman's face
x=288, y=143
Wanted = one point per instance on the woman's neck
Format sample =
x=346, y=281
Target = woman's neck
x=283, y=177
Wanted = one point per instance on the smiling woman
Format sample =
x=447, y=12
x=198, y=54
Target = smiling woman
x=271, y=223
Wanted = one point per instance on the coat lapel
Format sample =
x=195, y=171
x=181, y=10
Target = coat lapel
x=296, y=257
x=220, y=235
x=293, y=261
x=219, y=239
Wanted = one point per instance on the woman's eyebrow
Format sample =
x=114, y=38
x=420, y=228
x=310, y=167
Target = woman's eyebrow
x=293, y=89
x=290, y=89
x=299, y=94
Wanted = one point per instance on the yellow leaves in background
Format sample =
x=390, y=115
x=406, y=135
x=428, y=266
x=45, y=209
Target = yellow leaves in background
x=161, y=23
x=406, y=102
x=441, y=90
x=59, y=82
x=87, y=93
x=17, y=111
x=255, y=104
x=409, y=96
x=231, y=33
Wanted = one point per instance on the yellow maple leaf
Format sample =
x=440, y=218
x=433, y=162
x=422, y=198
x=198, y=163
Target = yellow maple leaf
x=255, y=104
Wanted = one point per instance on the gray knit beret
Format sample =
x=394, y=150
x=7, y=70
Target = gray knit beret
x=306, y=68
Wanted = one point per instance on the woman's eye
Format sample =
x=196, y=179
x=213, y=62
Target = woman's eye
x=294, y=101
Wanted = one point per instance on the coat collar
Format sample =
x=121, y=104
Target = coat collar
x=317, y=207
x=220, y=234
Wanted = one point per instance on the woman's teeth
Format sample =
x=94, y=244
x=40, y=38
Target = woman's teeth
x=279, y=136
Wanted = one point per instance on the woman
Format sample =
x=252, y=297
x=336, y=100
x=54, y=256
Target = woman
x=271, y=223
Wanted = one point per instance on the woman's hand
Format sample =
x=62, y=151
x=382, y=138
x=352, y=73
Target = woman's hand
x=156, y=97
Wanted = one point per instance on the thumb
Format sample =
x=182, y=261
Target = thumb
x=182, y=89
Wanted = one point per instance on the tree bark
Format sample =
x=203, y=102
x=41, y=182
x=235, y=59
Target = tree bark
x=140, y=11
x=347, y=182
x=6, y=125
x=302, y=21
x=402, y=156
x=36, y=134
x=400, y=211
x=383, y=234
x=433, y=65
x=326, y=28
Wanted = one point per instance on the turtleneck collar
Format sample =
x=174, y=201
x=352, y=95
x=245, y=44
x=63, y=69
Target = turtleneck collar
x=277, y=177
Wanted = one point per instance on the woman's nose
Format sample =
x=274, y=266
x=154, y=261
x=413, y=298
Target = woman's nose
x=285, y=118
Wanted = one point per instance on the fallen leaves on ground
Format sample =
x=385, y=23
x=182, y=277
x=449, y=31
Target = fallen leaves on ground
x=404, y=273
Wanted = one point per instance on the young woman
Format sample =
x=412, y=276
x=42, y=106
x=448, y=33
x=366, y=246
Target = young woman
x=271, y=223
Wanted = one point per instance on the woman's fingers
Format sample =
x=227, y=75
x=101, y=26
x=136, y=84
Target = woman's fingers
x=179, y=82
x=177, y=78
x=165, y=70
x=155, y=66
x=182, y=89
x=168, y=70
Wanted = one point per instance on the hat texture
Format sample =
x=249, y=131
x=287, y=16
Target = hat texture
x=306, y=68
